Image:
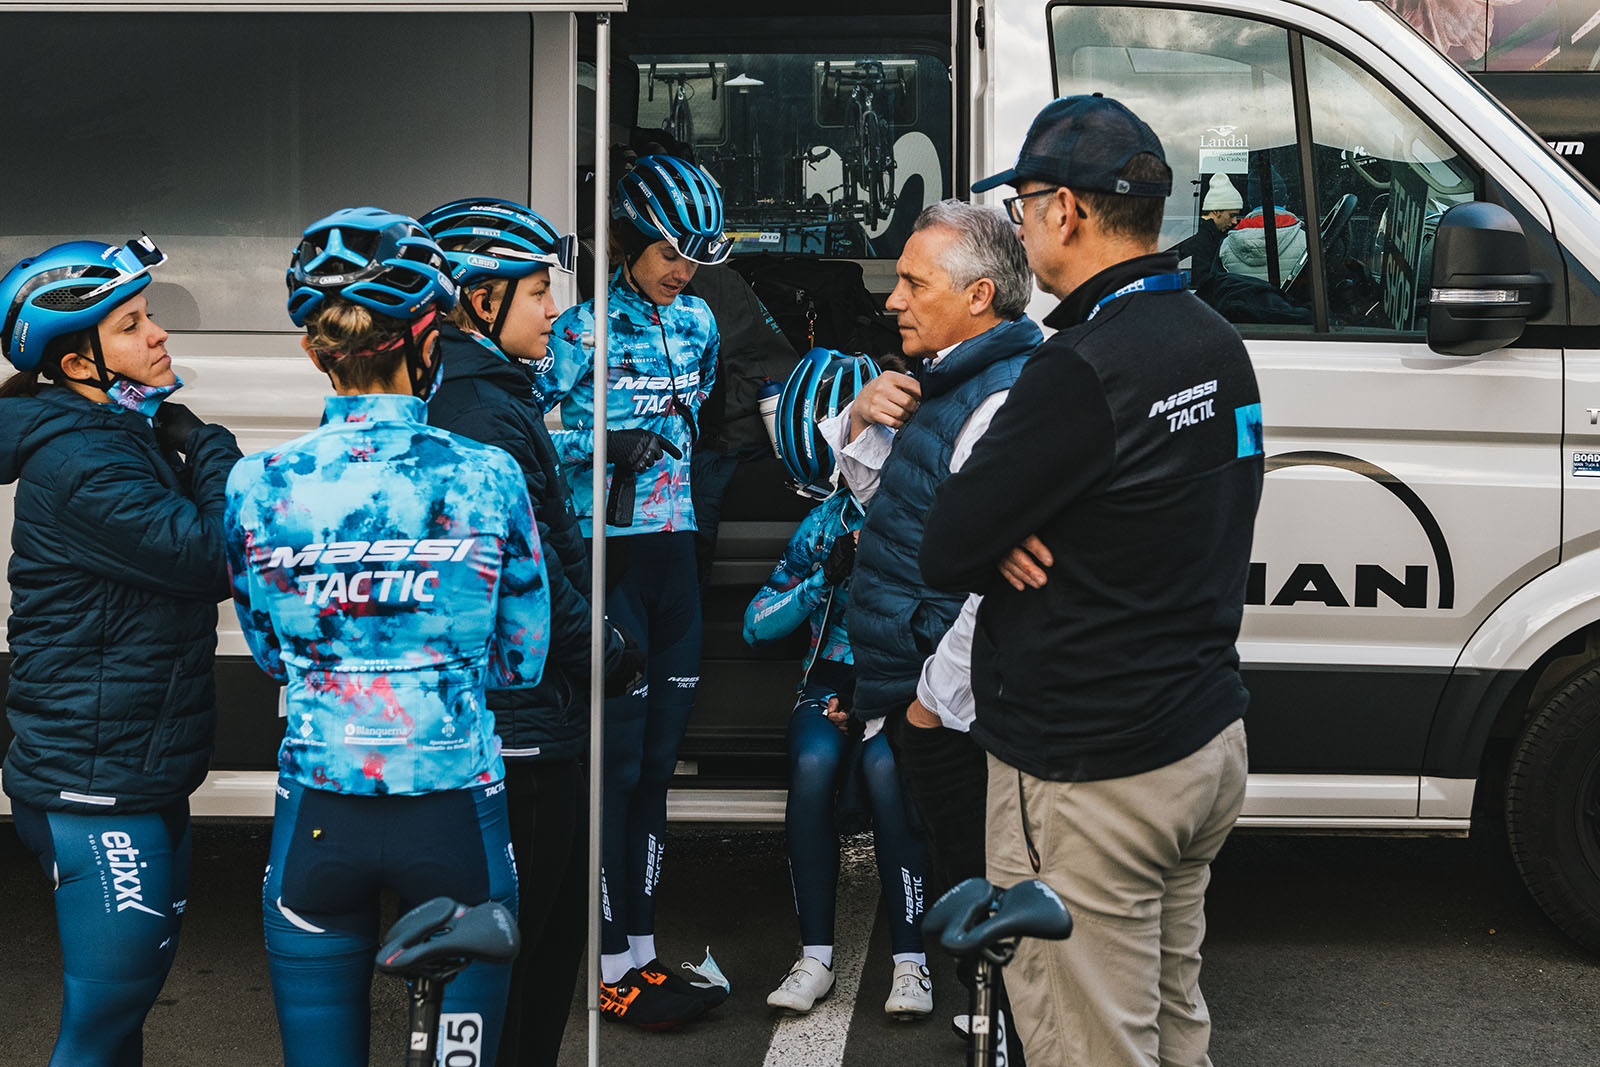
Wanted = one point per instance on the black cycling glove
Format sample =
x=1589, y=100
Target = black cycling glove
x=173, y=425
x=628, y=672
x=637, y=450
x=841, y=559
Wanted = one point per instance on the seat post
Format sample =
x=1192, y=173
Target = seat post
x=980, y=1050
x=427, y=999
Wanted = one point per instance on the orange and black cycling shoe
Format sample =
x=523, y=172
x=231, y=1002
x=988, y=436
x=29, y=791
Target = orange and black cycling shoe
x=642, y=998
x=708, y=993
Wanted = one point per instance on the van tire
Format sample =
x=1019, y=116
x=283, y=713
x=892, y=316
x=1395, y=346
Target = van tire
x=1553, y=808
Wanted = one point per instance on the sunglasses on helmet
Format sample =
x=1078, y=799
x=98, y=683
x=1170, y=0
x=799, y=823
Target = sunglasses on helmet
x=130, y=261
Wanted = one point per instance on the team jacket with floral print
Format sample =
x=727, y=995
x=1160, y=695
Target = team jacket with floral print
x=656, y=354
x=797, y=592
x=386, y=571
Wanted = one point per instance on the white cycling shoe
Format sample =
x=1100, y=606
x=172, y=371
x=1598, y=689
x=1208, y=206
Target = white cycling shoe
x=807, y=982
x=910, y=993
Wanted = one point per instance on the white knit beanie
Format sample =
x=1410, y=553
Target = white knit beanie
x=1222, y=195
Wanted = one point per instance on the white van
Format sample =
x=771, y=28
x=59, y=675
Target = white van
x=1421, y=302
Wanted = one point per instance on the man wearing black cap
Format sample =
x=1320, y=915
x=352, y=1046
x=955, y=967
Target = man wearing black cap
x=1115, y=491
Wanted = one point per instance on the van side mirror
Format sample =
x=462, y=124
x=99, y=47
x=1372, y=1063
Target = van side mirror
x=1482, y=290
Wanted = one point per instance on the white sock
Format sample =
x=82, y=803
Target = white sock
x=919, y=958
x=614, y=966
x=823, y=953
x=643, y=949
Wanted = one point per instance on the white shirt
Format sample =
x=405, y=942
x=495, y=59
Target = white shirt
x=946, y=684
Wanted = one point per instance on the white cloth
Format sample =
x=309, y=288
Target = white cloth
x=945, y=687
x=946, y=684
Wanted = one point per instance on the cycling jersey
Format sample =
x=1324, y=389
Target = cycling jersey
x=384, y=571
x=662, y=364
x=797, y=590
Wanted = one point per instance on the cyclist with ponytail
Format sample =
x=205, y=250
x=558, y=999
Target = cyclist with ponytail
x=116, y=570
x=828, y=747
x=659, y=365
x=386, y=572
x=501, y=255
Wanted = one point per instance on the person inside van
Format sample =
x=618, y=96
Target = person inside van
x=1219, y=213
x=116, y=570
x=811, y=586
x=383, y=571
x=660, y=364
x=501, y=254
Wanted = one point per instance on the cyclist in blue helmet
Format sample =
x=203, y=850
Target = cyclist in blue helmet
x=501, y=254
x=116, y=569
x=660, y=364
x=385, y=572
x=831, y=755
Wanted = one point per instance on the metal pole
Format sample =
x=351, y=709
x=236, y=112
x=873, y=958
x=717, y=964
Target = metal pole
x=597, y=586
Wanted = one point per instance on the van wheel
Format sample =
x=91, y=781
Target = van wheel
x=1553, y=808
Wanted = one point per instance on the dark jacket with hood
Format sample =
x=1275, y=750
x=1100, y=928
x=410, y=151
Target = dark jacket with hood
x=117, y=566
x=493, y=399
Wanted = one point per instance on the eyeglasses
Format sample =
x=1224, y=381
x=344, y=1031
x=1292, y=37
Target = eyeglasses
x=1013, y=204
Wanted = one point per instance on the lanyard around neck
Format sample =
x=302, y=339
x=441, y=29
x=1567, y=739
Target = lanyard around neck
x=1155, y=283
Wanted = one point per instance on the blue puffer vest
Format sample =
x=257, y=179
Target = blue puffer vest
x=896, y=620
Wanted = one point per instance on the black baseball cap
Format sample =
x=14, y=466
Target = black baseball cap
x=1083, y=142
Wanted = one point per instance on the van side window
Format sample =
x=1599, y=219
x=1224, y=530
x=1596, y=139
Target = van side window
x=1383, y=179
x=1217, y=91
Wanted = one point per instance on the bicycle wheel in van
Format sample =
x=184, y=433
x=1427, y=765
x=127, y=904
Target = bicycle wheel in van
x=1553, y=808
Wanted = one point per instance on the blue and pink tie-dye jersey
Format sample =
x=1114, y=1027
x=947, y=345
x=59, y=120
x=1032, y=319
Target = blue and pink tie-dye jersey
x=797, y=592
x=643, y=380
x=385, y=571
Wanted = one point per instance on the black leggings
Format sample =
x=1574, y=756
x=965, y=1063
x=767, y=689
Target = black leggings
x=549, y=809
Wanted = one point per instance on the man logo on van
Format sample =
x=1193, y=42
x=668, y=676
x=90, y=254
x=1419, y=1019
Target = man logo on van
x=1313, y=582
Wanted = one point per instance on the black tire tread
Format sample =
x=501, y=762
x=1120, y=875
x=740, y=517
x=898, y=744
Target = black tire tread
x=1568, y=892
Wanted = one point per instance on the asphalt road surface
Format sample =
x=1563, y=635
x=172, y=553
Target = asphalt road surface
x=1322, y=950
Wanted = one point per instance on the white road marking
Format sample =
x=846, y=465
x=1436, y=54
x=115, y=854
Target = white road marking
x=817, y=1039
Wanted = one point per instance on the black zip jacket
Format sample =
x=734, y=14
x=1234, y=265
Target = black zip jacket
x=1131, y=445
x=490, y=398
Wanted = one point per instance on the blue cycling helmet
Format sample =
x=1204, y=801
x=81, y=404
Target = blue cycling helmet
x=385, y=262
x=68, y=288
x=488, y=239
x=821, y=385
x=485, y=238
x=666, y=199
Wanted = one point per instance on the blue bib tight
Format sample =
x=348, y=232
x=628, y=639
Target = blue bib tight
x=122, y=882
x=819, y=756
x=657, y=600
x=331, y=855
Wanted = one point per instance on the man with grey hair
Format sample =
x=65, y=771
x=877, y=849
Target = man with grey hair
x=960, y=300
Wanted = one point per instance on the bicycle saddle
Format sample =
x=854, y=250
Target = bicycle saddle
x=974, y=915
x=439, y=938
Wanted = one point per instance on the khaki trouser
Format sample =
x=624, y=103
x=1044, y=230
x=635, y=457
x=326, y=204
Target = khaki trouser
x=1131, y=857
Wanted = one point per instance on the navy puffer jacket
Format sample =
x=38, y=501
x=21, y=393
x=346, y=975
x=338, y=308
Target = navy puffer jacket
x=117, y=566
x=492, y=399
